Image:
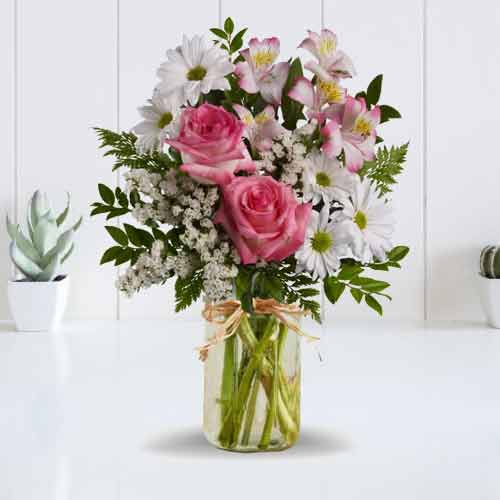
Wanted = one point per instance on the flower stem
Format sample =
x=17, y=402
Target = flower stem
x=251, y=407
x=232, y=423
x=273, y=402
x=228, y=377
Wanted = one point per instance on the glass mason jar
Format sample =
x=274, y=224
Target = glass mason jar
x=252, y=387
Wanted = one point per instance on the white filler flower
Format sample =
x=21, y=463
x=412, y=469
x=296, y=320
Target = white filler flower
x=373, y=220
x=194, y=68
x=324, y=179
x=159, y=122
x=327, y=240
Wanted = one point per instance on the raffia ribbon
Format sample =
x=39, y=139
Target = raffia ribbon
x=227, y=316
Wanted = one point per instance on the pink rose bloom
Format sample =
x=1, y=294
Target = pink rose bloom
x=210, y=141
x=263, y=218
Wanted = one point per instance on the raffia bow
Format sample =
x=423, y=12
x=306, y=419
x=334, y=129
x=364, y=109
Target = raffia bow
x=226, y=317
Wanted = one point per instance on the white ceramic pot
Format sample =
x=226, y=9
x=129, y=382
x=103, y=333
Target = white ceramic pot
x=489, y=292
x=38, y=306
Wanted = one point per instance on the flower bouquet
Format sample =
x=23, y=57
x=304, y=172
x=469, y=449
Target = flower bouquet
x=253, y=184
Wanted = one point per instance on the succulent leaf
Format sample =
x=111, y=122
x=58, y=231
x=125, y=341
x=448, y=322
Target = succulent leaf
x=45, y=233
x=62, y=216
x=68, y=253
x=50, y=271
x=39, y=256
x=77, y=224
x=62, y=246
x=29, y=268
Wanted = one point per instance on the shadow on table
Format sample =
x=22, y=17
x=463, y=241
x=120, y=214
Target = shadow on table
x=190, y=443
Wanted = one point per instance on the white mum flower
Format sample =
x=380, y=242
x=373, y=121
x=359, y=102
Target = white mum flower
x=327, y=240
x=196, y=67
x=324, y=179
x=159, y=122
x=373, y=219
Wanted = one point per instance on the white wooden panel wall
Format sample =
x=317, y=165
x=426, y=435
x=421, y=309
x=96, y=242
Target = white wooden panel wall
x=7, y=134
x=67, y=83
x=464, y=172
x=89, y=63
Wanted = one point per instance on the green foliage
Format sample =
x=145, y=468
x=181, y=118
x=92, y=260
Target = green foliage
x=388, y=113
x=292, y=110
x=188, y=290
x=115, y=203
x=361, y=287
x=277, y=282
x=387, y=164
x=226, y=40
x=121, y=146
x=374, y=90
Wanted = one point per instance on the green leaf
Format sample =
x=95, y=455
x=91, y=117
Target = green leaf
x=383, y=170
x=333, y=289
x=228, y=25
x=110, y=254
x=188, y=290
x=118, y=235
x=374, y=304
x=370, y=284
x=106, y=194
x=133, y=235
x=235, y=45
x=398, y=253
x=125, y=255
x=308, y=292
x=357, y=294
x=388, y=113
x=218, y=32
x=100, y=210
x=349, y=271
x=117, y=212
x=374, y=90
x=292, y=110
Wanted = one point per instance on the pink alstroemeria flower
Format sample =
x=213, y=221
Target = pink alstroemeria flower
x=260, y=129
x=353, y=131
x=332, y=63
x=328, y=93
x=259, y=73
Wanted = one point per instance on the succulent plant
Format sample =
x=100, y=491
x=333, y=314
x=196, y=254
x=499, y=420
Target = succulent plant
x=39, y=257
x=489, y=262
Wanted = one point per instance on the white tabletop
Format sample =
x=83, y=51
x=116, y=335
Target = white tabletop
x=108, y=410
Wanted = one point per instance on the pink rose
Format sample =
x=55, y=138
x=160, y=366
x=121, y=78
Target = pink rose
x=263, y=218
x=210, y=140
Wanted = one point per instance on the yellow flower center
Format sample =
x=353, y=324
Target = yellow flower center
x=323, y=179
x=321, y=242
x=165, y=119
x=326, y=47
x=197, y=73
x=362, y=126
x=361, y=220
x=263, y=58
x=261, y=118
x=332, y=91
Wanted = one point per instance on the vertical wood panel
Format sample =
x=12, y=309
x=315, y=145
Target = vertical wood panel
x=463, y=173
x=147, y=30
x=7, y=131
x=385, y=37
x=67, y=85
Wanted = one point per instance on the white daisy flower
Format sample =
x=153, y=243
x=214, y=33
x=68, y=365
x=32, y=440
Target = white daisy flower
x=373, y=220
x=159, y=122
x=324, y=179
x=327, y=240
x=194, y=68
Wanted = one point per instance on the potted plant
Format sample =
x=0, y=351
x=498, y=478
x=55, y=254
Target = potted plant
x=489, y=283
x=37, y=300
